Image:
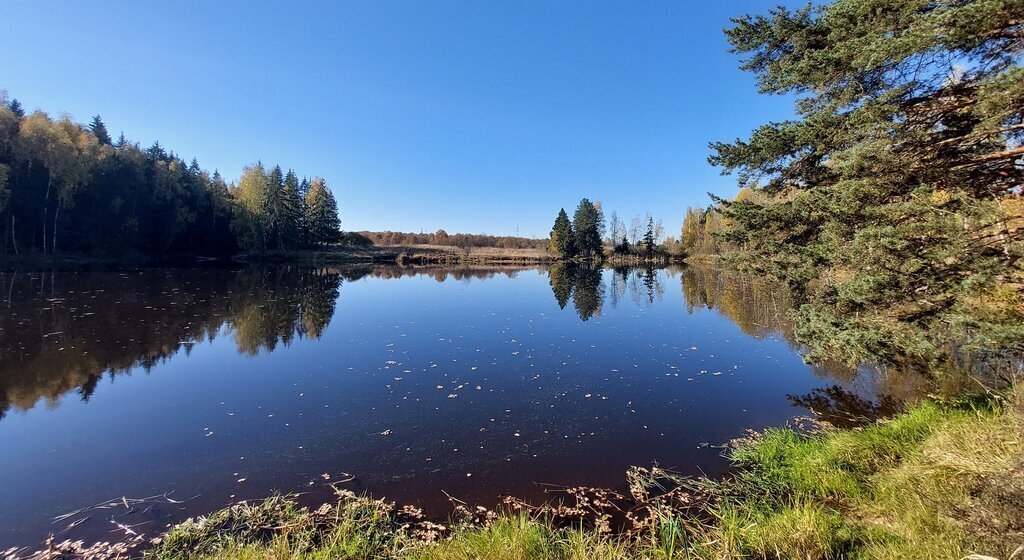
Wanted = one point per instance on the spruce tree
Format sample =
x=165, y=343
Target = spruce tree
x=321, y=216
x=649, y=237
x=291, y=211
x=275, y=208
x=16, y=108
x=586, y=226
x=99, y=130
x=563, y=242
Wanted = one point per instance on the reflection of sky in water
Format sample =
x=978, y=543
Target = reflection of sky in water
x=482, y=387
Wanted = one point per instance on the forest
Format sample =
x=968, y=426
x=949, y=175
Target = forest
x=71, y=188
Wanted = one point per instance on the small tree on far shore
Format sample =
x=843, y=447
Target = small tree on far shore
x=649, y=239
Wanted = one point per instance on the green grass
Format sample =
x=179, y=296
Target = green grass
x=938, y=481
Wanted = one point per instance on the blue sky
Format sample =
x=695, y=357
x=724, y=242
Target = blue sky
x=467, y=115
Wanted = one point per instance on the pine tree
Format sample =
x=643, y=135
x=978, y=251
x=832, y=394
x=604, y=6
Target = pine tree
x=99, y=130
x=562, y=242
x=892, y=203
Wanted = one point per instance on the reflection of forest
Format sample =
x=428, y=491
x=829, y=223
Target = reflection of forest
x=757, y=307
x=584, y=284
x=440, y=273
x=760, y=308
x=580, y=282
x=64, y=331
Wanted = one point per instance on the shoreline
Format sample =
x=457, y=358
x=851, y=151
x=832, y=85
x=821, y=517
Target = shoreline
x=401, y=255
x=940, y=479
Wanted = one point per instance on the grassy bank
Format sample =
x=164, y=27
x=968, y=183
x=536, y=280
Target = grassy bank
x=941, y=480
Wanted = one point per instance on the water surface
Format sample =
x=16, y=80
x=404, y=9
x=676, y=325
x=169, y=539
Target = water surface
x=215, y=385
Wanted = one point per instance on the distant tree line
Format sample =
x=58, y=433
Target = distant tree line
x=443, y=238
x=65, y=186
x=260, y=308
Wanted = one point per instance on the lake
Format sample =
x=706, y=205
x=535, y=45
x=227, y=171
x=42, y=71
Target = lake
x=212, y=385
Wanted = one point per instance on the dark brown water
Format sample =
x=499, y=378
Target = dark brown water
x=215, y=385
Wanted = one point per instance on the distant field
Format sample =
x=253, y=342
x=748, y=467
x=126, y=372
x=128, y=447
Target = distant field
x=425, y=254
x=474, y=251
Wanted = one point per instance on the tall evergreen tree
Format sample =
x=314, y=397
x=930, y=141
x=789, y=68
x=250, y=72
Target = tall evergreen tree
x=562, y=241
x=291, y=211
x=892, y=203
x=275, y=207
x=586, y=224
x=99, y=130
x=321, y=216
x=16, y=108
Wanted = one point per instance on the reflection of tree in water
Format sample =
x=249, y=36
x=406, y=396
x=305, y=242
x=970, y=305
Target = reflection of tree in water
x=583, y=283
x=62, y=331
x=617, y=285
x=844, y=408
x=561, y=279
x=588, y=292
x=441, y=273
x=65, y=331
x=761, y=308
x=317, y=303
x=294, y=302
x=757, y=307
x=645, y=285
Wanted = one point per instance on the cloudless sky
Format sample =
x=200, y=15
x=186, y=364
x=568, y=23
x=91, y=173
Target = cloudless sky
x=472, y=116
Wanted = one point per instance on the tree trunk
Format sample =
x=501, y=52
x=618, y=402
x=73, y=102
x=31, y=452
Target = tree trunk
x=14, y=238
x=53, y=249
x=46, y=200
